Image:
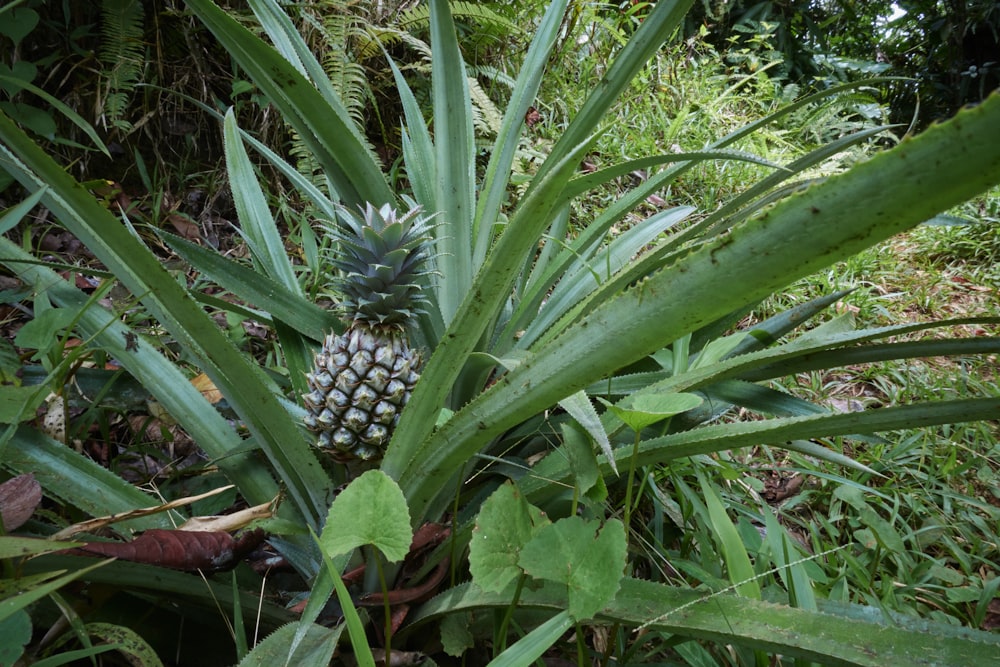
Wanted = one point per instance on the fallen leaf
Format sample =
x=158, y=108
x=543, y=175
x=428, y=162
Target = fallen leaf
x=184, y=226
x=532, y=117
x=207, y=388
x=18, y=499
x=230, y=522
x=178, y=549
x=92, y=525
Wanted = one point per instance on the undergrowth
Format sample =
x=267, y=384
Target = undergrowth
x=917, y=535
x=924, y=541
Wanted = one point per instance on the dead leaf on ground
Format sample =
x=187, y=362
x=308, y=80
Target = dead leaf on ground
x=779, y=487
x=93, y=525
x=207, y=388
x=178, y=549
x=230, y=522
x=992, y=619
x=18, y=499
x=184, y=226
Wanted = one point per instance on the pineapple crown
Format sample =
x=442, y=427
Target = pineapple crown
x=381, y=257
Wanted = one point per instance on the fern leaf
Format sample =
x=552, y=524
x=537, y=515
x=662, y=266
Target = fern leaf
x=419, y=17
x=485, y=116
x=122, y=55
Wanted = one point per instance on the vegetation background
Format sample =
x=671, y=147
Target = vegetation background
x=911, y=531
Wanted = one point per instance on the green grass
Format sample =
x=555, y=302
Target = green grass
x=937, y=500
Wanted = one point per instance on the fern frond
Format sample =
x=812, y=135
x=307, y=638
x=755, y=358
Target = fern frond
x=485, y=115
x=419, y=17
x=122, y=56
x=338, y=29
x=332, y=29
x=491, y=73
x=376, y=38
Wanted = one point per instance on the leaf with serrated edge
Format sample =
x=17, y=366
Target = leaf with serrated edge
x=647, y=409
x=582, y=410
x=456, y=638
x=371, y=510
x=18, y=547
x=582, y=459
x=505, y=524
x=588, y=558
x=316, y=649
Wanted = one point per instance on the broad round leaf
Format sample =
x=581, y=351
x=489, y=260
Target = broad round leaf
x=648, y=409
x=588, y=558
x=505, y=524
x=371, y=510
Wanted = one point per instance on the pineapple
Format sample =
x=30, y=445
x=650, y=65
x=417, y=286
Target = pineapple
x=362, y=379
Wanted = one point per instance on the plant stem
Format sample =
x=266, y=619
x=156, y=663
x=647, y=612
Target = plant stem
x=612, y=642
x=502, y=634
x=631, y=480
x=386, y=607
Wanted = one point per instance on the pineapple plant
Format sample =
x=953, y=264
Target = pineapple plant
x=362, y=379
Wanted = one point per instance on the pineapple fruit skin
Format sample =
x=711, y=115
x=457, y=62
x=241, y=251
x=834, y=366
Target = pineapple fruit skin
x=361, y=380
x=359, y=386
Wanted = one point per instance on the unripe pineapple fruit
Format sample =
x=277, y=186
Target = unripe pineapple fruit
x=362, y=379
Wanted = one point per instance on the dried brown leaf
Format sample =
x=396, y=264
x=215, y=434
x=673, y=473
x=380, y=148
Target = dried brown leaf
x=178, y=549
x=18, y=499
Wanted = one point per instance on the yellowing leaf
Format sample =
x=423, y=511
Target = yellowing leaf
x=207, y=388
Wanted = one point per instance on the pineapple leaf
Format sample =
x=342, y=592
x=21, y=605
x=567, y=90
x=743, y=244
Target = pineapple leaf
x=173, y=306
x=322, y=122
x=834, y=220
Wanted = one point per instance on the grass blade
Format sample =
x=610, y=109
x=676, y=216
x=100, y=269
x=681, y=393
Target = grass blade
x=730, y=543
x=530, y=647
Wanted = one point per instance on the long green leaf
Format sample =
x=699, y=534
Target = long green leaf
x=497, y=175
x=256, y=223
x=418, y=147
x=142, y=273
x=179, y=587
x=782, y=432
x=874, y=353
x=838, y=348
x=833, y=220
x=13, y=216
x=293, y=309
x=578, y=276
x=658, y=26
x=454, y=161
x=267, y=246
x=486, y=296
x=290, y=44
x=24, y=598
x=841, y=635
x=730, y=544
x=73, y=478
x=59, y=106
x=492, y=285
x=297, y=179
x=530, y=647
x=324, y=127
